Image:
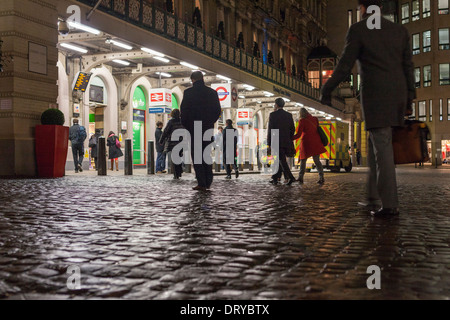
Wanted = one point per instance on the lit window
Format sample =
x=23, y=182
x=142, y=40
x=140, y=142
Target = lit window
x=427, y=76
x=444, y=39
x=405, y=13
x=427, y=41
x=441, y=110
x=443, y=6
x=431, y=111
x=413, y=115
x=415, y=10
x=416, y=43
x=350, y=18
x=426, y=8
x=444, y=74
x=422, y=111
x=448, y=109
x=417, y=77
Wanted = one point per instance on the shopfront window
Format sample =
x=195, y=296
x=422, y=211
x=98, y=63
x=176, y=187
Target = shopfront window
x=405, y=13
x=422, y=111
x=427, y=76
x=444, y=39
x=426, y=8
x=417, y=77
x=415, y=10
x=139, y=120
x=416, y=43
x=444, y=74
x=427, y=41
x=443, y=6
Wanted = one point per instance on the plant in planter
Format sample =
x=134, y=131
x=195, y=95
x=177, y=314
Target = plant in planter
x=52, y=143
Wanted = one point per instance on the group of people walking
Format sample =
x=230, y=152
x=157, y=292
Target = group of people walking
x=387, y=76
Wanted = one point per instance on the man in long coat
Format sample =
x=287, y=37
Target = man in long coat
x=387, y=91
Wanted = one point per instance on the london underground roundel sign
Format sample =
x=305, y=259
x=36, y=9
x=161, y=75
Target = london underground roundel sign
x=223, y=93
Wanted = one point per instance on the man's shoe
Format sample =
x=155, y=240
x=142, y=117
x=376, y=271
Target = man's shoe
x=159, y=172
x=76, y=171
x=274, y=181
x=290, y=182
x=321, y=181
x=198, y=188
x=228, y=178
x=369, y=205
x=300, y=180
x=80, y=168
x=237, y=174
x=164, y=171
x=385, y=212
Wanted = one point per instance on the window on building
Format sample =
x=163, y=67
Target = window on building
x=415, y=10
x=314, y=74
x=431, y=111
x=444, y=74
x=427, y=76
x=413, y=115
x=443, y=6
x=358, y=15
x=448, y=109
x=417, y=77
x=427, y=41
x=426, y=8
x=405, y=13
x=416, y=43
x=422, y=111
x=441, y=110
x=350, y=18
x=359, y=82
x=444, y=39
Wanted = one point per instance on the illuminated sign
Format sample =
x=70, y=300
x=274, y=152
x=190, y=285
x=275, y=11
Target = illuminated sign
x=82, y=81
x=228, y=95
x=244, y=117
x=160, y=100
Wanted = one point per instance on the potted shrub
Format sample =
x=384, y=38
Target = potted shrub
x=52, y=143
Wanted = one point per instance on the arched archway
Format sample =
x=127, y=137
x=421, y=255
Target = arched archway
x=111, y=112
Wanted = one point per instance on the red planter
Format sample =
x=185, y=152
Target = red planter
x=52, y=143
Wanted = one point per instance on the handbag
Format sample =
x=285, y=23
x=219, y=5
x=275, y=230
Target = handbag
x=118, y=145
x=410, y=142
x=323, y=136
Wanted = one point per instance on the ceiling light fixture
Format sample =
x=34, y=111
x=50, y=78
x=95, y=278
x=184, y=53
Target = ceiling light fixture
x=163, y=74
x=190, y=66
x=124, y=63
x=223, y=78
x=248, y=88
x=120, y=44
x=80, y=26
x=153, y=52
x=73, y=47
x=162, y=59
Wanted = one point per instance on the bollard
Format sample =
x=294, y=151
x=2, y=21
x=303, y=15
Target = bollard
x=101, y=161
x=128, y=158
x=151, y=158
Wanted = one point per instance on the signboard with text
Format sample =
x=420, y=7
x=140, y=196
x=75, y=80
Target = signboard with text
x=228, y=95
x=160, y=100
x=244, y=117
x=81, y=81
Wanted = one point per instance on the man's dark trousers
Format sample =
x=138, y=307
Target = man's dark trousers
x=78, y=154
x=283, y=166
x=203, y=170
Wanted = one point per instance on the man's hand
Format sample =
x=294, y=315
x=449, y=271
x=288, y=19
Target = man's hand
x=325, y=99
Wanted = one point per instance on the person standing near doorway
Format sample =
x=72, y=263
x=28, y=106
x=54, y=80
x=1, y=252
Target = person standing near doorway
x=93, y=144
x=166, y=139
x=387, y=91
x=282, y=121
x=114, y=152
x=310, y=144
x=200, y=105
x=77, y=135
x=161, y=155
x=230, y=139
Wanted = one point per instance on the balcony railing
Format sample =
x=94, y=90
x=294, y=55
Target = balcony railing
x=147, y=16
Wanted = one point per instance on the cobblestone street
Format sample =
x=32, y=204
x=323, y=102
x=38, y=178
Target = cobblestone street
x=141, y=237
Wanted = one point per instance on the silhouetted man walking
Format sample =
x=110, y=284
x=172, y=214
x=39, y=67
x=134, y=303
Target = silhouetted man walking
x=200, y=104
x=387, y=91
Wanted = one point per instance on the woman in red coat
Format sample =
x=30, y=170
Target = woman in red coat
x=310, y=145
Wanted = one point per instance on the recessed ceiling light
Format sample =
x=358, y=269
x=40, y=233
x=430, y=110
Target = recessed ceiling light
x=162, y=59
x=223, y=78
x=163, y=74
x=191, y=66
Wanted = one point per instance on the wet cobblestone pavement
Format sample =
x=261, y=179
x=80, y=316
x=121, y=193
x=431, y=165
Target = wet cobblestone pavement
x=145, y=237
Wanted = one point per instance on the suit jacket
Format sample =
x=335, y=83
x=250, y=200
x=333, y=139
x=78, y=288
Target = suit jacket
x=200, y=103
x=386, y=68
x=283, y=121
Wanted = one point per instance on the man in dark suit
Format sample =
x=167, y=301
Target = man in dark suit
x=229, y=147
x=387, y=91
x=200, y=104
x=282, y=121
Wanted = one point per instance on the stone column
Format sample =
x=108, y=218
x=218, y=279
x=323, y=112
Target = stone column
x=28, y=86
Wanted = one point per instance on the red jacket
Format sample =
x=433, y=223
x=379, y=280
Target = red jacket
x=310, y=144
